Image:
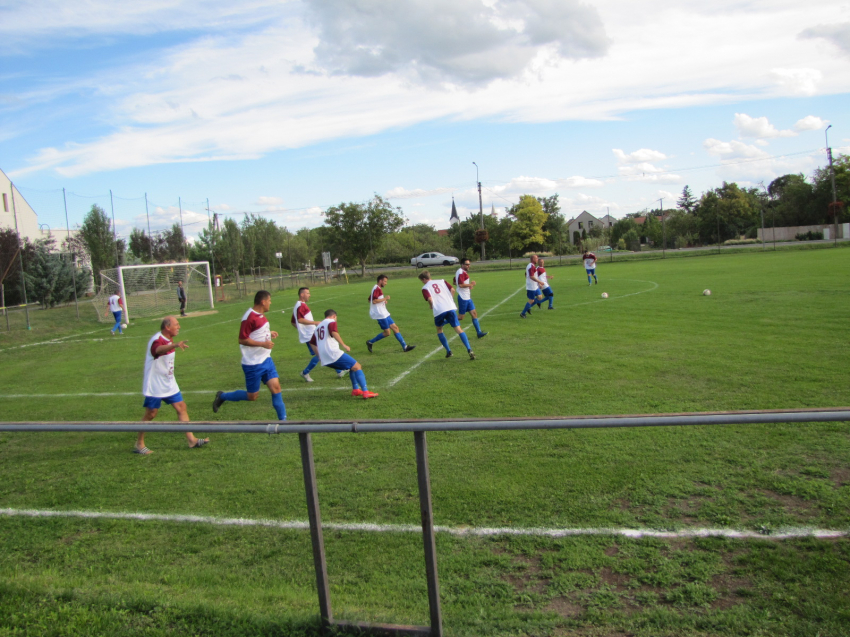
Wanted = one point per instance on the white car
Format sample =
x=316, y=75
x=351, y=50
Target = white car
x=433, y=258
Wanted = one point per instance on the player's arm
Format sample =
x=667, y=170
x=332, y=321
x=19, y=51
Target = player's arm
x=161, y=350
x=250, y=342
x=378, y=300
x=338, y=339
x=427, y=295
x=304, y=321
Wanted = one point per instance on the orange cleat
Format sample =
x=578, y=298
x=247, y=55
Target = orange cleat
x=356, y=392
x=370, y=394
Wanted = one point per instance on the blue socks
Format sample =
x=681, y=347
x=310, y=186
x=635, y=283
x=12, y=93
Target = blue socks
x=353, y=378
x=465, y=341
x=377, y=338
x=400, y=339
x=279, y=407
x=361, y=378
x=443, y=340
x=527, y=307
x=476, y=326
x=235, y=396
x=313, y=362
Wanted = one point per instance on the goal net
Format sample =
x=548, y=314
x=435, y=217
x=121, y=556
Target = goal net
x=151, y=290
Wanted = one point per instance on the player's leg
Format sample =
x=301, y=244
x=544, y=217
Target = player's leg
x=443, y=340
x=530, y=295
x=277, y=398
x=253, y=374
x=474, y=314
x=594, y=276
x=313, y=362
x=151, y=409
x=400, y=338
x=117, y=326
x=385, y=331
x=589, y=282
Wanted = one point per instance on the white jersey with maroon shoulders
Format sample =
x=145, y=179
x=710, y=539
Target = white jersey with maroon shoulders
x=377, y=310
x=301, y=311
x=589, y=260
x=541, y=274
x=159, y=381
x=530, y=271
x=256, y=327
x=462, y=276
x=440, y=292
x=114, y=303
x=326, y=344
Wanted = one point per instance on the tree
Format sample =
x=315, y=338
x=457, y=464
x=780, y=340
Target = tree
x=10, y=265
x=529, y=218
x=555, y=222
x=822, y=185
x=729, y=208
x=621, y=227
x=96, y=233
x=49, y=275
x=355, y=230
x=141, y=245
x=174, y=244
x=687, y=201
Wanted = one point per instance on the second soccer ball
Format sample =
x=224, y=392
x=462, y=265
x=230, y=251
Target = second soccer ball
x=604, y=295
x=706, y=292
x=123, y=326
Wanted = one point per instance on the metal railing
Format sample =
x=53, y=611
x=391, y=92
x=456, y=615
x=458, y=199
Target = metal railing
x=419, y=429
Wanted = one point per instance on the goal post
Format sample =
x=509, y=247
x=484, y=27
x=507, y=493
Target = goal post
x=151, y=290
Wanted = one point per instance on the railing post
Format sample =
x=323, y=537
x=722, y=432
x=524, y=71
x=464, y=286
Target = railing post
x=424, y=480
x=316, y=537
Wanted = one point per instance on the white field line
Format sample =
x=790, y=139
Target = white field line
x=611, y=298
x=55, y=341
x=440, y=349
x=211, y=392
x=366, y=527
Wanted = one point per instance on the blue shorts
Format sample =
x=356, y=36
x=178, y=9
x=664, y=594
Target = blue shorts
x=385, y=323
x=344, y=363
x=548, y=292
x=591, y=270
x=464, y=306
x=532, y=294
x=264, y=372
x=449, y=317
x=151, y=402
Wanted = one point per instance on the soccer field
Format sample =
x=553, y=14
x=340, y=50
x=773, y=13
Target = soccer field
x=773, y=334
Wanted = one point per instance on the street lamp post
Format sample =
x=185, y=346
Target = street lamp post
x=480, y=211
x=832, y=179
x=663, y=232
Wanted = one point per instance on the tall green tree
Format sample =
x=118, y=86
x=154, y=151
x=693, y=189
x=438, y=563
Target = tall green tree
x=355, y=230
x=529, y=219
x=687, y=201
x=556, y=224
x=50, y=276
x=10, y=264
x=729, y=210
x=96, y=233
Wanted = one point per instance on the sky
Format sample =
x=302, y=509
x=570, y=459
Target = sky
x=156, y=108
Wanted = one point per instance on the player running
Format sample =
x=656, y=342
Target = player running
x=327, y=340
x=378, y=311
x=532, y=286
x=159, y=384
x=438, y=293
x=590, y=266
x=302, y=320
x=255, y=341
x=544, y=284
x=115, y=305
x=464, y=296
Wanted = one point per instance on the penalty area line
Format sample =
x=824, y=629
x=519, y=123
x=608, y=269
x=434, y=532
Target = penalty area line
x=440, y=349
x=368, y=527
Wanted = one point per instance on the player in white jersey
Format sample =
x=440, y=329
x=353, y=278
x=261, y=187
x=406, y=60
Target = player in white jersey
x=438, y=293
x=302, y=319
x=159, y=384
x=256, y=342
x=464, y=296
x=328, y=342
x=545, y=288
x=532, y=286
x=378, y=311
x=590, y=266
x=115, y=305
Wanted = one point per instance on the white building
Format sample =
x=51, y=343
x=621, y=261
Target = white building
x=28, y=225
x=586, y=222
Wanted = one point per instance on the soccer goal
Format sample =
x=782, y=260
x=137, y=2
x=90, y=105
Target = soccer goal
x=151, y=290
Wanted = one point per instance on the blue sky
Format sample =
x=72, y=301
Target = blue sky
x=286, y=108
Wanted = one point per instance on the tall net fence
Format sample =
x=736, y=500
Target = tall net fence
x=151, y=290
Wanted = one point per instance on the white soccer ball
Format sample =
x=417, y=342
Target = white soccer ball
x=123, y=326
x=604, y=295
x=706, y=292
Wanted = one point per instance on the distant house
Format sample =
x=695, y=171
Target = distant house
x=586, y=222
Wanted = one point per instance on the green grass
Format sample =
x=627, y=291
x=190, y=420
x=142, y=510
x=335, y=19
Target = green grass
x=774, y=334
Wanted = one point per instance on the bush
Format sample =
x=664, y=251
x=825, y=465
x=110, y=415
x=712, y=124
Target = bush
x=753, y=233
x=809, y=236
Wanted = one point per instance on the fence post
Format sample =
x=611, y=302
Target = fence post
x=309, y=468
x=424, y=479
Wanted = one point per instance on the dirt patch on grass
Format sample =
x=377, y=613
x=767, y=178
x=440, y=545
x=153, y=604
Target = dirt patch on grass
x=841, y=476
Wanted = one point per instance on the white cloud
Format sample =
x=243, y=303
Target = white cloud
x=797, y=81
x=837, y=34
x=758, y=127
x=400, y=192
x=269, y=201
x=728, y=151
x=466, y=42
x=810, y=122
x=638, y=166
x=639, y=156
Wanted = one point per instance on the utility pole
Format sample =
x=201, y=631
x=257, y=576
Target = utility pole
x=70, y=247
x=212, y=240
x=832, y=179
x=480, y=211
x=114, y=238
x=150, y=236
x=663, y=231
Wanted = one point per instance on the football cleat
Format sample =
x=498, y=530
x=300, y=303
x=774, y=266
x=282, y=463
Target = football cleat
x=306, y=377
x=471, y=355
x=483, y=334
x=449, y=354
x=340, y=373
x=409, y=348
x=356, y=392
x=218, y=402
x=369, y=394
x=369, y=346
x=522, y=314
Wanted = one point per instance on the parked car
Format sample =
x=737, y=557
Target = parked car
x=604, y=249
x=433, y=258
